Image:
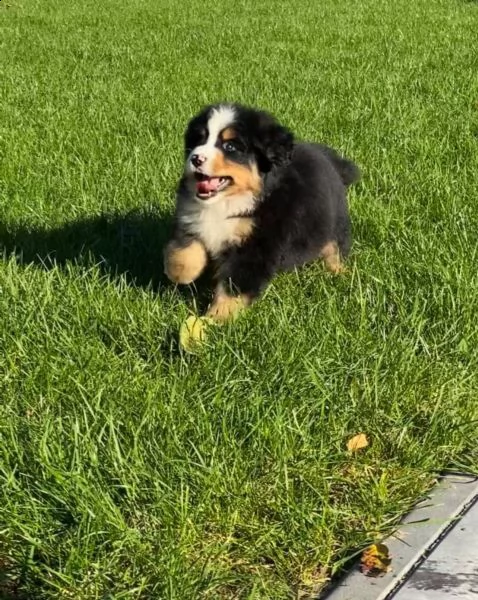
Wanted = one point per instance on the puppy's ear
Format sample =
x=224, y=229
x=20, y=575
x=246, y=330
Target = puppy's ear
x=272, y=142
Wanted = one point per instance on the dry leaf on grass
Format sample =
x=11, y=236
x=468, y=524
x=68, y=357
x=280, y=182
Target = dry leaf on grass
x=358, y=442
x=375, y=560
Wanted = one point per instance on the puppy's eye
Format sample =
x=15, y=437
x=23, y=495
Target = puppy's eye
x=229, y=146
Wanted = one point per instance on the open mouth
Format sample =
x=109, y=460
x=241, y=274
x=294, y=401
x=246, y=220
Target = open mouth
x=207, y=187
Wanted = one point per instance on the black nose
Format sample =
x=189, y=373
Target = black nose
x=198, y=159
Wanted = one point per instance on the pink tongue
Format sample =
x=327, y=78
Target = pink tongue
x=207, y=185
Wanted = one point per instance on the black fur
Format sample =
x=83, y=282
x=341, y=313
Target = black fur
x=272, y=143
x=302, y=207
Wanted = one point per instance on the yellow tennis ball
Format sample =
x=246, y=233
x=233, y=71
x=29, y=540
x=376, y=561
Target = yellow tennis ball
x=193, y=332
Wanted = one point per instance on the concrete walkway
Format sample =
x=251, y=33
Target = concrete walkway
x=434, y=553
x=451, y=570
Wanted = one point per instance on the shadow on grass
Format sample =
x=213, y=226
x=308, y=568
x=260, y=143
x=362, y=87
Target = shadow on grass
x=9, y=582
x=129, y=245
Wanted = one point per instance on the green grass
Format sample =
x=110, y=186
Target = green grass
x=129, y=470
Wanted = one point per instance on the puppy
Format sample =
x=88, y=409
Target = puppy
x=254, y=202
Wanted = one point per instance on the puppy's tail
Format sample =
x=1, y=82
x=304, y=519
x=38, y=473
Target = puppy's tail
x=348, y=171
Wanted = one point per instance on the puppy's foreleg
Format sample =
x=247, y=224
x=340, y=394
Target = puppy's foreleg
x=242, y=276
x=184, y=260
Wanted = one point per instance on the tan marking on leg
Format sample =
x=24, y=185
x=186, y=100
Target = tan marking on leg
x=184, y=264
x=226, y=307
x=331, y=257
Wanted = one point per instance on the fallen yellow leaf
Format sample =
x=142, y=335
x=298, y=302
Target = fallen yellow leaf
x=192, y=332
x=375, y=560
x=358, y=442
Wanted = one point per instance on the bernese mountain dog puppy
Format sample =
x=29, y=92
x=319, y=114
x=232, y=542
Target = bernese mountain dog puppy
x=253, y=202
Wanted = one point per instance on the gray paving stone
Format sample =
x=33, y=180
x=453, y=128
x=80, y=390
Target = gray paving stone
x=419, y=531
x=451, y=570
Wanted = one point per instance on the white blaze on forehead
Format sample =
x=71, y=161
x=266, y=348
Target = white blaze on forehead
x=219, y=119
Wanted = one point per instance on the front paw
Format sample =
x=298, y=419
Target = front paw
x=225, y=308
x=184, y=264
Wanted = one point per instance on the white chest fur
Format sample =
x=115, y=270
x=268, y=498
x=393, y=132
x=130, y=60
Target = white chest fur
x=215, y=223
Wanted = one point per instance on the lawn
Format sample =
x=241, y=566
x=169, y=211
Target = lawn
x=131, y=470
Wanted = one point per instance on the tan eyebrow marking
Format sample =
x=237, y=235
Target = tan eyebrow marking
x=228, y=134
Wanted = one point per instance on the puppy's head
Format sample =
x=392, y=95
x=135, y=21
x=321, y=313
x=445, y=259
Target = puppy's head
x=229, y=147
